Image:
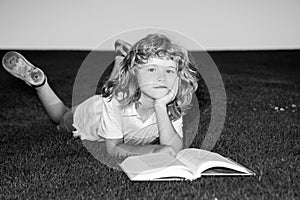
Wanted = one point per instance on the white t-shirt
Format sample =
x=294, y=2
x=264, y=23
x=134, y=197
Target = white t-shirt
x=97, y=119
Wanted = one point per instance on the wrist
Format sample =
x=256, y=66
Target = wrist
x=159, y=105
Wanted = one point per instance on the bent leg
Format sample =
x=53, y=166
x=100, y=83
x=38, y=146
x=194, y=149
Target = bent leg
x=65, y=124
x=121, y=50
x=18, y=66
x=53, y=106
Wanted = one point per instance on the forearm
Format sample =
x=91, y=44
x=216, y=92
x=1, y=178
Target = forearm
x=167, y=133
x=123, y=150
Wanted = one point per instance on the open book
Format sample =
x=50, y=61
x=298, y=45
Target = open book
x=188, y=164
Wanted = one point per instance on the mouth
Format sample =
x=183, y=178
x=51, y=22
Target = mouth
x=161, y=86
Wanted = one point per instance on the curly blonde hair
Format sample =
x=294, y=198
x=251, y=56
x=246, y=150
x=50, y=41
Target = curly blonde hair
x=158, y=46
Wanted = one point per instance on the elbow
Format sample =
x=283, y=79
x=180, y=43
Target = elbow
x=113, y=152
x=178, y=147
x=112, y=147
x=110, y=151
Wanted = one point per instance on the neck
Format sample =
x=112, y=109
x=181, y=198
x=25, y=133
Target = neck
x=145, y=105
x=146, y=102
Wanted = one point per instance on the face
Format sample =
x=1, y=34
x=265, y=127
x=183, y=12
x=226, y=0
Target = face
x=156, y=78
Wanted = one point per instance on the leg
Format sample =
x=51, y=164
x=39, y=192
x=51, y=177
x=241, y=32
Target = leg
x=65, y=124
x=59, y=114
x=121, y=50
x=19, y=67
x=116, y=68
x=53, y=106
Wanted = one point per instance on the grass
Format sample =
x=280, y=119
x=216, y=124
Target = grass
x=36, y=162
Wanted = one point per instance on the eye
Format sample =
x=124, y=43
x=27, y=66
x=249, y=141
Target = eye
x=170, y=71
x=151, y=69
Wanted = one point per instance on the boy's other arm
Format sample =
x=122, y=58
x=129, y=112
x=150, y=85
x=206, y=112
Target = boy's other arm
x=118, y=149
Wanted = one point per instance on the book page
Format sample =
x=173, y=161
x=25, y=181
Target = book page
x=221, y=171
x=152, y=166
x=200, y=160
x=191, y=157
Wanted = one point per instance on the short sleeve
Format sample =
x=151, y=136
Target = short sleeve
x=110, y=122
x=178, y=124
x=86, y=119
x=94, y=119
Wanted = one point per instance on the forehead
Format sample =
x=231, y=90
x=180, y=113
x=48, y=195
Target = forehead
x=161, y=62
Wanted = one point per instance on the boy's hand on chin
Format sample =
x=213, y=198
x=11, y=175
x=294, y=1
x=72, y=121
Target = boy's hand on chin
x=165, y=149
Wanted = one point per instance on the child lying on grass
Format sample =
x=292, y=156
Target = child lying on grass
x=141, y=106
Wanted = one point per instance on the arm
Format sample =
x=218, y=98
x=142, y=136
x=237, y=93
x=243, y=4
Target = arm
x=118, y=149
x=167, y=133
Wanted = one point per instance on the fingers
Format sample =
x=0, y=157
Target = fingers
x=176, y=84
x=165, y=149
x=172, y=152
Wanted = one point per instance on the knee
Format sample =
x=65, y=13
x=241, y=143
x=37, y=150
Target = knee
x=65, y=124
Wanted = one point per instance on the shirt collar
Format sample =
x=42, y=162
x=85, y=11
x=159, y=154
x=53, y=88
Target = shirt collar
x=131, y=111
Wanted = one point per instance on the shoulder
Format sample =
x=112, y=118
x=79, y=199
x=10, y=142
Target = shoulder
x=112, y=105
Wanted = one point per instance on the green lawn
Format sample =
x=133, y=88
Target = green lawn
x=36, y=162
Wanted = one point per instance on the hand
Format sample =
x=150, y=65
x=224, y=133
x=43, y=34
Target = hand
x=170, y=96
x=165, y=149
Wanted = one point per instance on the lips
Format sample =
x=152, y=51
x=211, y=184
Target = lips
x=161, y=86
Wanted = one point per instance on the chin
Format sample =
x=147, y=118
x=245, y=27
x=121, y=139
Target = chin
x=155, y=94
x=158, y=96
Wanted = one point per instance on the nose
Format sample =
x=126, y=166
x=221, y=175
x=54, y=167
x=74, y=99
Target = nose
x=161, y=76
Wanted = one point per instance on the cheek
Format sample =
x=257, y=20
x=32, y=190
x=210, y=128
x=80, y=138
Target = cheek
x=172, y=80
x=144, y=82
x=139, y=78
x=146, y=79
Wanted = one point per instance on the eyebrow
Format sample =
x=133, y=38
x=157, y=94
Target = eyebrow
x=148, y=65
